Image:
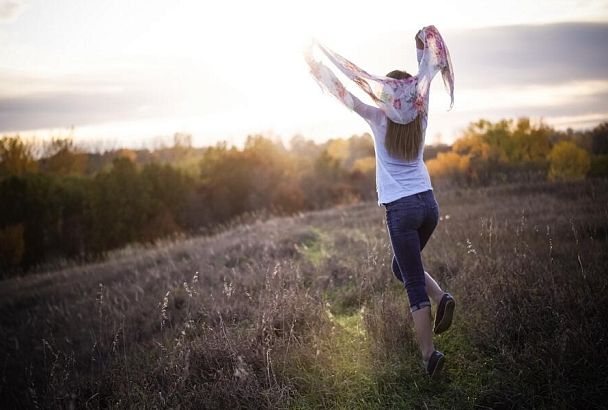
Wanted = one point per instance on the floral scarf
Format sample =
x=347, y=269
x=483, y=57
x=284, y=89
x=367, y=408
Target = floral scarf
x=401, y=100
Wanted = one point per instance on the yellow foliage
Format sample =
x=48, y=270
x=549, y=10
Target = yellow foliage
x=16, y=156
x=365, y=164
x=127, y=153
x=568, y=162
x=505, y=141
x=64, y=158
x=338, y=149
x=474, y=145
x=448, y=164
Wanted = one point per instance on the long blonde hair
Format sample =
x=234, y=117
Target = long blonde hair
x=403, y=140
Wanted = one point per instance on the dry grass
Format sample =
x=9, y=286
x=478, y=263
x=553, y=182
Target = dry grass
x=304, y=312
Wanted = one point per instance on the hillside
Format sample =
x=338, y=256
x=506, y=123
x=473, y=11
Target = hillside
x=304, y=312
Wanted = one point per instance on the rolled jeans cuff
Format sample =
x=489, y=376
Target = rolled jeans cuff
x=420, y=305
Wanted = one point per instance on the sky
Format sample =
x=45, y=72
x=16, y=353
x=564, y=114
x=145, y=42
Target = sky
x=132, y=73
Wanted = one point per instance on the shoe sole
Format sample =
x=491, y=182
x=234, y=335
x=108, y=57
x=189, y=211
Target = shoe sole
x=438, y=367
x=448, y=315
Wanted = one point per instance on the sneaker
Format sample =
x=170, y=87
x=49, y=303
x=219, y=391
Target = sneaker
x=445, y=313
x=435, y=363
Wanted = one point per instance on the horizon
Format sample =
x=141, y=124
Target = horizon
x=163, y=142
x=160, y=70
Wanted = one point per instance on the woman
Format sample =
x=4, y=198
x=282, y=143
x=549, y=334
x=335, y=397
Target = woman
x=402, y=180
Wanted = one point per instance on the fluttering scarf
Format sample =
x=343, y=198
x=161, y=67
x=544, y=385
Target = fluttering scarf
x=400, y=100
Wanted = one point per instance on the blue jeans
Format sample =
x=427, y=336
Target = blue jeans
x=410, y=221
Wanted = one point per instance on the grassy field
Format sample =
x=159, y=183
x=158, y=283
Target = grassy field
x=304, y=312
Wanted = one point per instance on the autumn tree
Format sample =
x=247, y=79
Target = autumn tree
x=449, y=165
x=62, y=157
x=568, y=162
x=16, y=157
x=504, y=150
x=530, y=144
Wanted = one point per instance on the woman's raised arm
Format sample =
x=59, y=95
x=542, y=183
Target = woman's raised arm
x=368, y=112
x=328, y=81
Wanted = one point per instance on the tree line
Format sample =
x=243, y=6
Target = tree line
x=69, y=204
x=59, y=202
x=516, y=150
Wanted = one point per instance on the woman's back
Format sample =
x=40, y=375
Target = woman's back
x=395, y=177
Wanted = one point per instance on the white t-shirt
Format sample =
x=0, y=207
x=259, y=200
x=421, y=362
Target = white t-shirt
x=395, y=178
